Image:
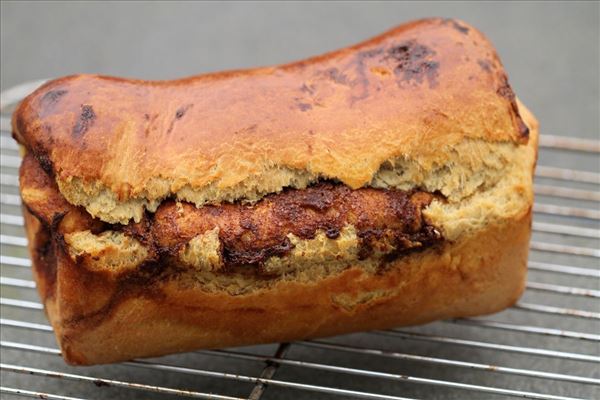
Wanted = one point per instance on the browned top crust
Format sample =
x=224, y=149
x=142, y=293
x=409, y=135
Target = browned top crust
x=406, y=93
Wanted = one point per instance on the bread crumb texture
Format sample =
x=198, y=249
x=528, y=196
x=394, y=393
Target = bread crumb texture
x=203, y=252
x=462, y=173
x=320, y=250
x=110, y=250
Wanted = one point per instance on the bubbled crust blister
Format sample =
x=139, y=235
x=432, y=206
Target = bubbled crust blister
x=231, y=135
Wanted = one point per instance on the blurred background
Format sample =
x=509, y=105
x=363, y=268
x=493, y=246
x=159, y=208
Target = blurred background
x=550, y=50
x=552, y=54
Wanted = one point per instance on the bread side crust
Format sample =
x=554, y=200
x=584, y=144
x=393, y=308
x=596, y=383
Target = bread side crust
x=479, y=274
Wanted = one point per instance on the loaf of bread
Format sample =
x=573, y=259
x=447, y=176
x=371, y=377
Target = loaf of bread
x=381, y=185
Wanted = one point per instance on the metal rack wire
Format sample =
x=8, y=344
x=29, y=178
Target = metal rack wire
x=545, y=347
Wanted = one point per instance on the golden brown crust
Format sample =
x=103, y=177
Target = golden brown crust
x=413, y=90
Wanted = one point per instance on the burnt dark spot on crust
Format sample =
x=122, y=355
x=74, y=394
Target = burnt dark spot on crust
x=85, y=120
x=332, y=233
x=304, y=106
x=308, y=98
x=523, y=129
x=87, y=113
x=504, y=90
x=460, y=28
x=456, y=25
x=370, y=53
x=414, y=63
x=309, y=89
x=233, y=255
x=150, y=121
x=404, y=245
x=182, y=110
x=248, y=224
x=50, y=98
x=485, y=65
x=370, y=238
x=178, y=115
x=56, y=219
x=139, y=230
x=362, y=80
x=45, y=162
x=337, y=76
x=248, y=129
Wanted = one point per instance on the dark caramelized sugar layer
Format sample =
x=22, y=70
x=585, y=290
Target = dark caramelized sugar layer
x=385, y=220
x=250, y=234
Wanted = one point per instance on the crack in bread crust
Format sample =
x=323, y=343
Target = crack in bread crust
x=327, y=222
x=456, y=172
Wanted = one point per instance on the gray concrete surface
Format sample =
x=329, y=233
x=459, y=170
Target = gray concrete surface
x=550, y=50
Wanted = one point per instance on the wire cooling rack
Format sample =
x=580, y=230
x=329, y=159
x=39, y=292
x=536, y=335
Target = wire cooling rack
x=545, y=347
